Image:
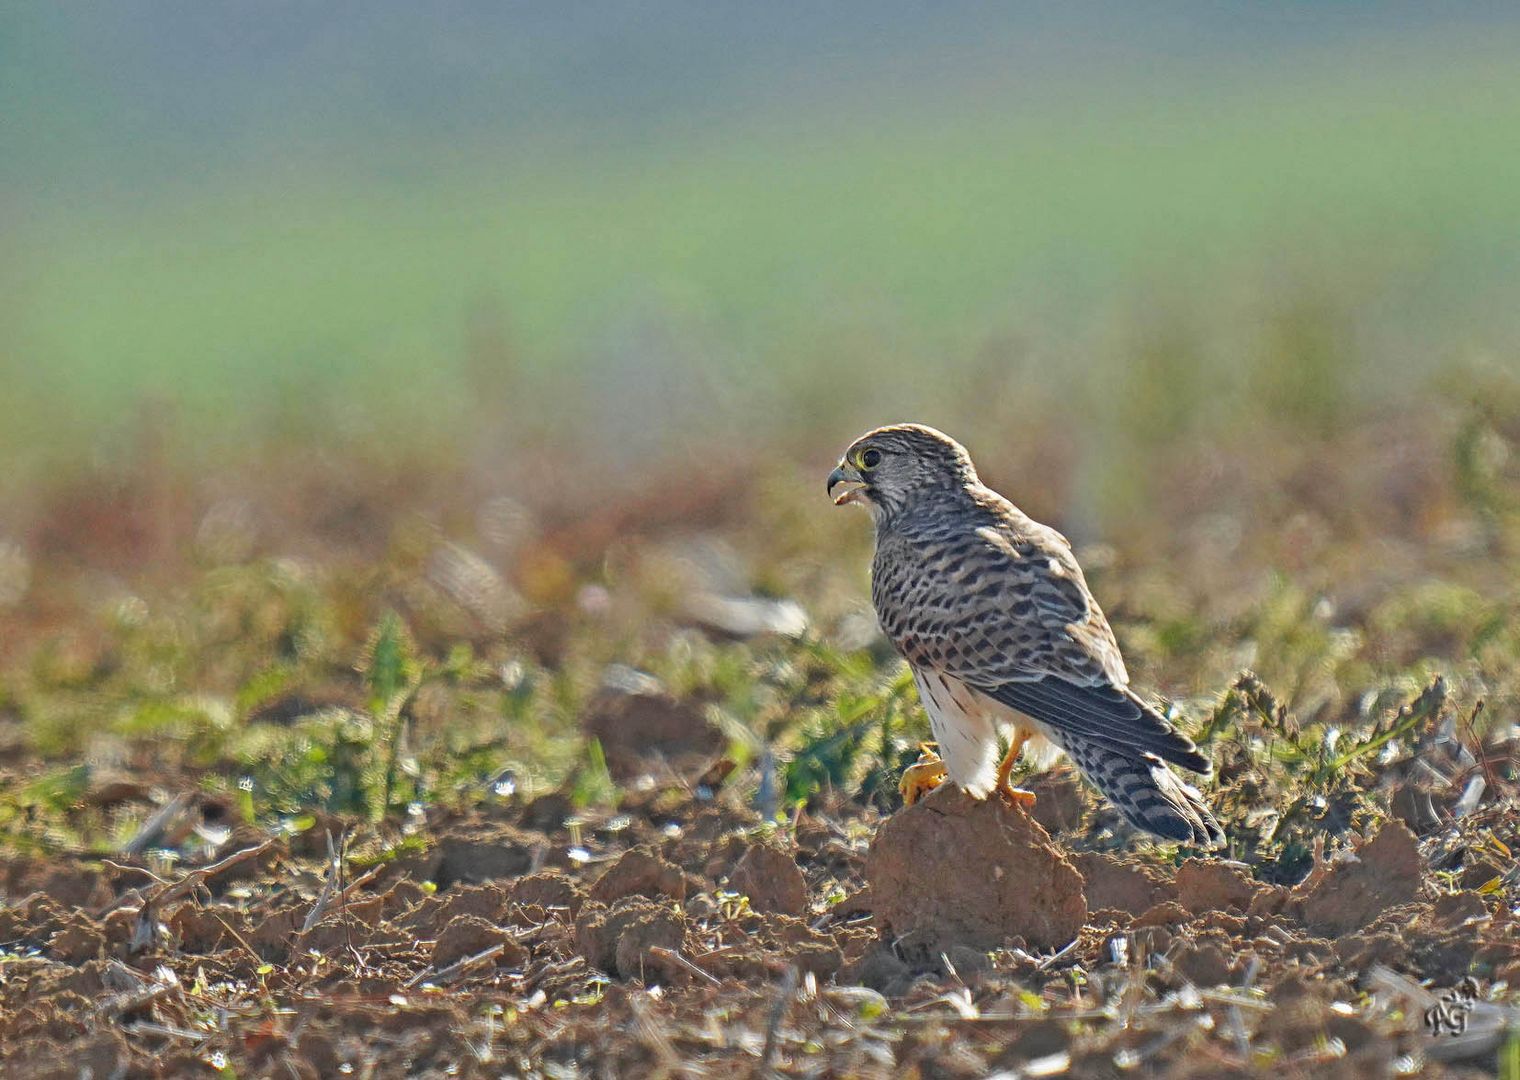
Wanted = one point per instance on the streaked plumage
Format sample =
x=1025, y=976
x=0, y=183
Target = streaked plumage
x=993, y=614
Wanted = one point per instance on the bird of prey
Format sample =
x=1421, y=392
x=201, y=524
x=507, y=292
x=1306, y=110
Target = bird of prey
x=993, y=615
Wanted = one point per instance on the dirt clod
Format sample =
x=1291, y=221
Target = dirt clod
x=1384, y=871
x=433, y=913
x=1166, y=913
x=470, y=935
x=616, y=939
x=1210, y=885
x=880, y=970
x=77, y=942
x=549, y=890
x=640, y=872
x=1059, y=800
x=476, y=858
x=771, y=880
x=1121, y=885
x=641, y=726
x=1204, y=964
x=975, y=873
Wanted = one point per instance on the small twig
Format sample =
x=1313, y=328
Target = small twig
x=188, y=883
x=129, y=1000
x=174, y=890
x=1319, y=867
x=660, y=952
x=157, y=826
x=123, y=868
x=784, y=994
x=237, y=937
x=335, y=866
x=656, y=1039
x=359, y=882
x=1479, y=751
x=148, y=1027
x=1132, y=1058
x=722, y=952
x=564, y=968
x=1057, y=956
x=909, y=1017
x=1237, y=1022
x=1236, y=999
x=447, y=974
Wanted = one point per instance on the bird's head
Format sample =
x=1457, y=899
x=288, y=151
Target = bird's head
x=893, y=467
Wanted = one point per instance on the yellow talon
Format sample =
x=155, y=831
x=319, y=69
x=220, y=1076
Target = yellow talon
x=922, y=777
x=1017, y=796
x=1012, y=795
x=928, y=772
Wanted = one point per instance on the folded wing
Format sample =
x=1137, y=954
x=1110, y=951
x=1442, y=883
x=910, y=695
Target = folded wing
x=1109, y=715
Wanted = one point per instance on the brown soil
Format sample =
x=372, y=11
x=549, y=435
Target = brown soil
x=963, y=872
x=642, y=729
x=953, y=938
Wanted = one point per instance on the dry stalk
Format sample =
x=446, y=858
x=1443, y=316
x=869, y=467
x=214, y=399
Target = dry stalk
x=455, y=969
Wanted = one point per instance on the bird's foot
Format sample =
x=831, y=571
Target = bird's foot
x=1013, y=796
x=922, y=777
x=1016, y=796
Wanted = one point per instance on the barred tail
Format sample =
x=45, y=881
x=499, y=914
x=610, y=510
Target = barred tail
x=1146, y=792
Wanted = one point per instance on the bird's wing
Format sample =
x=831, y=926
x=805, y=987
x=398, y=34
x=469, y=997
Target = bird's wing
x=1111, y=715
x=1007, y=610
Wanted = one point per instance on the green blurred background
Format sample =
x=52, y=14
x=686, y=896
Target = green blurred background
x=634, y=230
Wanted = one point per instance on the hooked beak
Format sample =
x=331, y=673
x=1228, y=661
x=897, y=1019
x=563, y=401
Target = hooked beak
x=855, y=492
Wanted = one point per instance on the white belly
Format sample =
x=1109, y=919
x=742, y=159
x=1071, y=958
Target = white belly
x=966, y=724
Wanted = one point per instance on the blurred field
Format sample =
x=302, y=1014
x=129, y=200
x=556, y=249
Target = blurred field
x=414, y=494
x=987, y=216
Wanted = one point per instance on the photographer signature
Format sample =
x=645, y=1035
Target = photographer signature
x=1448, y=1016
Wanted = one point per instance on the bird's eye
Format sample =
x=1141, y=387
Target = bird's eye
x=871, y=458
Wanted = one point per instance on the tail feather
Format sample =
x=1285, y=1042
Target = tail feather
x=1149, y=795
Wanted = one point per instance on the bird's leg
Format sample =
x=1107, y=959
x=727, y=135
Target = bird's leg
x=1009, y=793
x=922, y=777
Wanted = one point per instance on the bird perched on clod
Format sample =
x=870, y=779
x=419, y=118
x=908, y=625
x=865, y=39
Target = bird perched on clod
x=993, y=615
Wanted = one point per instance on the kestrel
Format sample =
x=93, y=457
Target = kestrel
x=993, y=615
